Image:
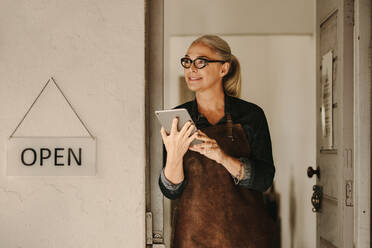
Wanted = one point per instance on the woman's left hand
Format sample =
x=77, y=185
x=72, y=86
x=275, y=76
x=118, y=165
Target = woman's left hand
x=209, y=148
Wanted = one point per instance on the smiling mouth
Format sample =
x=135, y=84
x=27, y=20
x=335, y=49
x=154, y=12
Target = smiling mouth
x=194, y=78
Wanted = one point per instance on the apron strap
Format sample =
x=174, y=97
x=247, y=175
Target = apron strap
x=229, y=127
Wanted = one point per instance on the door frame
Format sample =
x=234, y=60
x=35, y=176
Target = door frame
x=362, y=110
x=362, y=123
x=157, y=219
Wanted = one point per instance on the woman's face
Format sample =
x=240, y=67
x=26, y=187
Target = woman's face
x=209, y=77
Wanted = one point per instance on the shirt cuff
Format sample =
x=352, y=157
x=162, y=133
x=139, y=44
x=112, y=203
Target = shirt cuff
x=248, y=177
x=169, y=185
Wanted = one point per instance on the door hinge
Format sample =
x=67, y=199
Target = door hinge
x=158, y=246
x=148, y=228
x=157, y=237
x=349, y=193
x=154, y=238
x=349, y=12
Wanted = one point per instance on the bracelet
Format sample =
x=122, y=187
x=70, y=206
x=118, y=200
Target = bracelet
x=237, y=178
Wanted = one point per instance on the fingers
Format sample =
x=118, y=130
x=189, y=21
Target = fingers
x=202, y=133
x=192, y=137
x=174, y=125
x=206, y=145
x=209, y=145
x=190, y=130
x=188, y=125
x=163, y=133
x=204, y=148
x=202, y=136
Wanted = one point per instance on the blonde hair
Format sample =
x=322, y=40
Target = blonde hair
x=232, y=80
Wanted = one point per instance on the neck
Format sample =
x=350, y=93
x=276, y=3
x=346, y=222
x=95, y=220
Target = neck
x=211, y=100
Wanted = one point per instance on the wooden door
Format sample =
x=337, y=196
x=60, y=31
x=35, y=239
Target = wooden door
x=334, y=30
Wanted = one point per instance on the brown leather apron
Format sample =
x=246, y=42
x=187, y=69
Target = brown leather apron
x=213, y=211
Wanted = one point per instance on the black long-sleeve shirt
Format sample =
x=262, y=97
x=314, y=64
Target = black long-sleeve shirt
x=259, y=167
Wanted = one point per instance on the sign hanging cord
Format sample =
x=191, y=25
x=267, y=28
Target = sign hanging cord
x=66, y=101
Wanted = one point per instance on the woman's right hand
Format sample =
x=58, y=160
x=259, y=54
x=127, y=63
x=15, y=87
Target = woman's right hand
x=177, y=143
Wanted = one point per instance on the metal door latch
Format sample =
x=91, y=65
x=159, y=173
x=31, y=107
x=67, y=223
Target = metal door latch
x=349, y=193
x=316, y=199
x=153, y=238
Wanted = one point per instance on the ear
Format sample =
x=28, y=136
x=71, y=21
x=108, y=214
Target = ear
x=225, y=69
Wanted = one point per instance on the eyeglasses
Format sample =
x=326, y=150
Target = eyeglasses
x=198, y=62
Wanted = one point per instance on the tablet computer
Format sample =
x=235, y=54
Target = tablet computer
x=166, y=117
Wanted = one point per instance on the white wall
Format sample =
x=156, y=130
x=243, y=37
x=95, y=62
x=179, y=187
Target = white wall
x=291, y=109
x=95, y=51
x=234, y=18
x=239, y=17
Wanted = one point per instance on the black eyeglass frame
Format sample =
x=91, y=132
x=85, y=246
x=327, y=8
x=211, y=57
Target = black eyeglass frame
x=203, y=59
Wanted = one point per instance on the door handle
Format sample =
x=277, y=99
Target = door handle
x=316, y=199
x=311, y=172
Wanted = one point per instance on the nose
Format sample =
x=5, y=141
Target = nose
x=193, y=67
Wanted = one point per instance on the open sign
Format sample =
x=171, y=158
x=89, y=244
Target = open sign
x=53, y=156
x=61, y=156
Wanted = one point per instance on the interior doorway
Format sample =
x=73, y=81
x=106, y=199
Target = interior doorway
x=279, y=68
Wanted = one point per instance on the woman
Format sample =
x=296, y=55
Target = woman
x=218, y=183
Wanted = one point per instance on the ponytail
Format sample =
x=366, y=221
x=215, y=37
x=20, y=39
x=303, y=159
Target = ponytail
x=232, y=80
